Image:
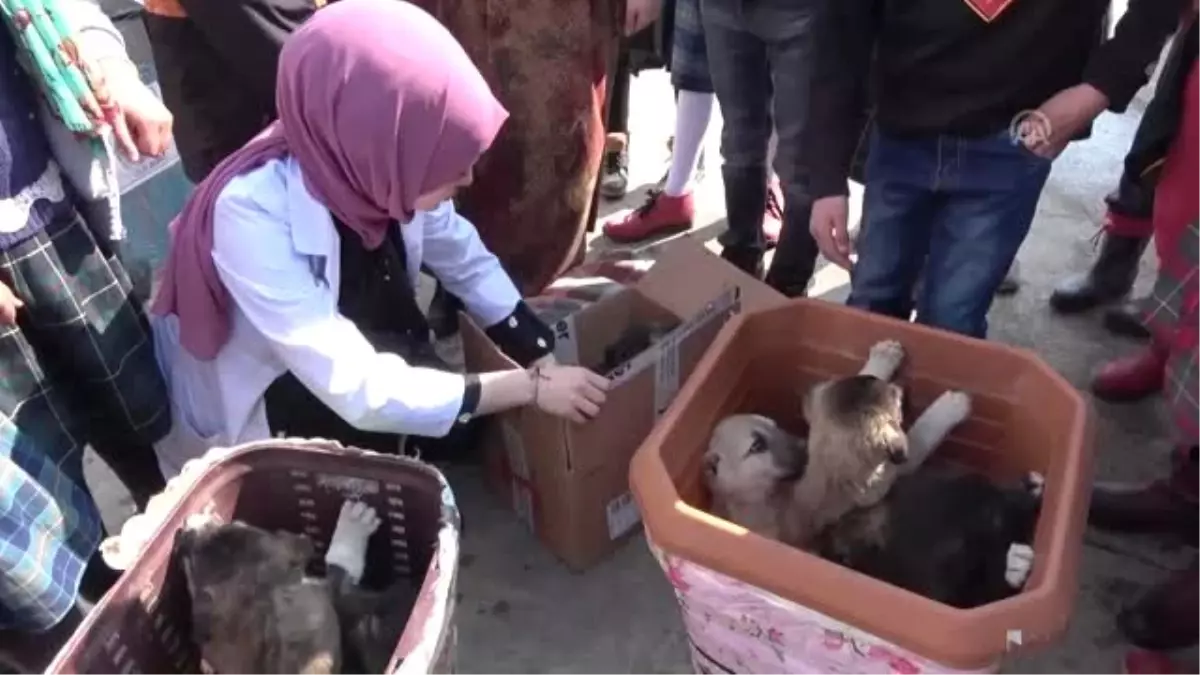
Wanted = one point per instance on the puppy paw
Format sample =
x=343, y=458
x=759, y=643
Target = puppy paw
x=956, y=406
x=884, y=359
x=1018, y=565
x=348, y=547
x=1035, y=484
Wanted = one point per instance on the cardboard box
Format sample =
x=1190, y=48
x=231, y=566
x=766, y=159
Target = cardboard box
x=569, y=483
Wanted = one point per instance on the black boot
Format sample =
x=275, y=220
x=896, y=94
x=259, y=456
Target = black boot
x=1110, y=278
x=1126, y=320
x=1165, y=618
x=745, y=201
x=795, y=254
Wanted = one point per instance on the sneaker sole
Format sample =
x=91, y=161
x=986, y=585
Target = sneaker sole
x=665, y=231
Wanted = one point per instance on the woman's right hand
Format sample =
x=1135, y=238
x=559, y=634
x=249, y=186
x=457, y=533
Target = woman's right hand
x=569, y=391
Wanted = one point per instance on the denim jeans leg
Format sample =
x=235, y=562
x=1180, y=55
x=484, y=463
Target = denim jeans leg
x=786, y=26
x=988, y=206
x=898, y=204
x=741, y=80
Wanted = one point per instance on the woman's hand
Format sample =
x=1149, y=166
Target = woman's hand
x=142, y=125
x=569, y=391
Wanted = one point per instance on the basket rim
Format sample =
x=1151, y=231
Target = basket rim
x=443, y=561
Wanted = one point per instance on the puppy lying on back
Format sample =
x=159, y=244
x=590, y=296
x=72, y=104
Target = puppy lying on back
x=255, y=609
x=850, y=492
x=855, y=446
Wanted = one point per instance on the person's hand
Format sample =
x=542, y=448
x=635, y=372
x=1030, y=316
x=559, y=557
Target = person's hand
x=9, y=304
x=142, y=124
x=640, y=13
x=569, y=391
x=1047, y=131
x=828, y=225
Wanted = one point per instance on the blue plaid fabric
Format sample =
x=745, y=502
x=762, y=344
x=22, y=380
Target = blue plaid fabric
x=80, y=356
x=49, y=527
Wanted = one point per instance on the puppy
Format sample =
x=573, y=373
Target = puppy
x=839, y=493
x=856, y=442
x=633, y=341
x=942, y=532
x=255, y=609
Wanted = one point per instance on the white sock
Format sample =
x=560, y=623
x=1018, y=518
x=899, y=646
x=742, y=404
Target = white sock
x=772, y=148
x=692, y=113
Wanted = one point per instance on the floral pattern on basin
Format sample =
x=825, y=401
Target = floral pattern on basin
x=734, y=627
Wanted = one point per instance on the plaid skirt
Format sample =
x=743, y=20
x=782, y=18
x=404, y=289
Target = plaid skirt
x=80, y=354
x=1171, y=315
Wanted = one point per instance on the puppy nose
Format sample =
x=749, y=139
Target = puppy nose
x=710, y=464
x=898, y=456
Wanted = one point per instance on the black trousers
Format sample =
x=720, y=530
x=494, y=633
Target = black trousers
x=217, y=69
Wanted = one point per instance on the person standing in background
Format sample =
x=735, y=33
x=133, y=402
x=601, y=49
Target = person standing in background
x=671, y=208
x=953, y=181
x=76, y=354
x=760, y=56
x=216, y=64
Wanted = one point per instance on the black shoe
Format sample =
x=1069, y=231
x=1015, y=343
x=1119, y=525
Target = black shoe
x=1165, y=618
x=1012, y=281
x=796, y=253
x=1126, y=320
x=1110, y=278
x=614, y=175
x=1166, y=506
x=745, y=203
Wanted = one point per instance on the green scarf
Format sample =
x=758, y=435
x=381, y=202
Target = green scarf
x=74, y=88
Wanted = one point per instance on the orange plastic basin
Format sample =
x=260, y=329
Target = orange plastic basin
x=1025, y=418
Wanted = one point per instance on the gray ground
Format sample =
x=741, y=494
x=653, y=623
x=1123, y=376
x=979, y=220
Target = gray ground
x=522, y=611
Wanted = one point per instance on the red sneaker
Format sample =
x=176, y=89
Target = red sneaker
x=773, y=216
x=661, y=215
x=1139, y=662
x=1132, y=377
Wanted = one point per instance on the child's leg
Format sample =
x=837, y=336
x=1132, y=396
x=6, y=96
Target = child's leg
x=786, y=27
x=987, y=206
x=741, y=78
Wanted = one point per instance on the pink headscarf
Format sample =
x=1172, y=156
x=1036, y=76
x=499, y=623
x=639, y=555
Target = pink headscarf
x=378, y=104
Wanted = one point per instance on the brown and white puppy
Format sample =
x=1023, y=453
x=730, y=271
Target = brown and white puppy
x=855, y=448
x=852, y=493
x=254, y=609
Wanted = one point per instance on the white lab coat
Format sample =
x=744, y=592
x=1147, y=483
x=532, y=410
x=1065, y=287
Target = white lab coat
x=277, y=251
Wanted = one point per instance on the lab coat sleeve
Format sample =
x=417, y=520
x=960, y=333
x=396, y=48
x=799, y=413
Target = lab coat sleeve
x=455, y=254
x=276, y=289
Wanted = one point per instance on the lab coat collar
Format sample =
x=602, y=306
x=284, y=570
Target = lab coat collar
x=312, y=224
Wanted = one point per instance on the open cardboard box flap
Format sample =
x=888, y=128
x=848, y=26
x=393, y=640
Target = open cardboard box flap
x=569, y=482
x=686, y=276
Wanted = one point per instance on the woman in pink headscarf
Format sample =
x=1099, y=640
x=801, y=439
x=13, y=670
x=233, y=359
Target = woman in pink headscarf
x=293, y=265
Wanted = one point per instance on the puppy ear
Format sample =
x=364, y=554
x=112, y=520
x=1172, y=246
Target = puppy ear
x=789, y=453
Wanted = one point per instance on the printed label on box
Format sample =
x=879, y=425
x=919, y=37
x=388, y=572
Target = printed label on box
x=566, y=349
x=622, y=514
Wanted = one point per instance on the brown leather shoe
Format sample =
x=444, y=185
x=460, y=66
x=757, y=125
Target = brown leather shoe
x=1166, y=506
x=1165, y=618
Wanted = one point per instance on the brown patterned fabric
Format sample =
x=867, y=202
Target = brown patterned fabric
x=546, y=60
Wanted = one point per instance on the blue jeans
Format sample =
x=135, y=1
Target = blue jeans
x=955, y=208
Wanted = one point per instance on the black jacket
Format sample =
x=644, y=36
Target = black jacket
x=1134, y=196
x=940, y=69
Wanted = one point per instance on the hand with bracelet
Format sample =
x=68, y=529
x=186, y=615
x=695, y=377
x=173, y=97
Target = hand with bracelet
x=569, y=392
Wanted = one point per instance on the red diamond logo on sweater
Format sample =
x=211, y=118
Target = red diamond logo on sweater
x=988, y=10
